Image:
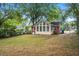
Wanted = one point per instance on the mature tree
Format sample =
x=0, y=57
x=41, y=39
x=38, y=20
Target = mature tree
x=54, y=14
x=3, y=13
x=74, y=11
x=37, y=11
x=10, y=17
x=9, y=11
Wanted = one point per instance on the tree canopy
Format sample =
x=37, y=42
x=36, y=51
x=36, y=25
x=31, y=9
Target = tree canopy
x=14, y=14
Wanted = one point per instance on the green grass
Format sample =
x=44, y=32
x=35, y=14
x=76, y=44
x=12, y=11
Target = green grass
x=67, y=44
x=22, y=41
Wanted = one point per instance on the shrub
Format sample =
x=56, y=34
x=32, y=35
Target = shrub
x=29, y=32
x=4, y=33
x=77, y=32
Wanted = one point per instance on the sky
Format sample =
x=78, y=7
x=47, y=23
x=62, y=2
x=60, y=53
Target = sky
x=64, y=7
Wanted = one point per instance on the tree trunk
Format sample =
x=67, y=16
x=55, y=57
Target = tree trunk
x=33, y=28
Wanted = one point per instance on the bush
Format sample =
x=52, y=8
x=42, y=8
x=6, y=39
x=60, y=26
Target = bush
x=77, y=32
x=6, y=32
x=29, y=32
x=20, y=31
x=9, y=32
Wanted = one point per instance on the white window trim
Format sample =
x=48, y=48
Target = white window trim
x=43, y=27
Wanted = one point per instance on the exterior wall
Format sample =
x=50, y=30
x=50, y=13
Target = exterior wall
x=47, y=28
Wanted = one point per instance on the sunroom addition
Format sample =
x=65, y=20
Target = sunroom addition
x=45, y=27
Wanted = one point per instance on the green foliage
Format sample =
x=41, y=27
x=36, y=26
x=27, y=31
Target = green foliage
x=10, y=18
x=15, y=14
x=74, y=10
x=29, y=30
x=11, y=23
x=6, y=32
x=73, y=23
x=77, y=32
x=9, y=28
x=54, y=14
x=37, y=11
x=19, y=31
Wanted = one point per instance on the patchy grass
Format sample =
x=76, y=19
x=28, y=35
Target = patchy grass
x=67, y=44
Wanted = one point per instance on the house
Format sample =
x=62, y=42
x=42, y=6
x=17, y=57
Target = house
x=45, y=27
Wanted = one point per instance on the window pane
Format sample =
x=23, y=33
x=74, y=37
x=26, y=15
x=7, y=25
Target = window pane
x=37, y=28
x=43, y=28
x=40, y=28
x=47, y=28
x=40, y=24
x=44, y=23
x=52, y=27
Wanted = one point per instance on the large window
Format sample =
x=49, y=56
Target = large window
x=43, y=28
x=43, y=23
x=47, y=28
x=37, y=28
x=40, y=28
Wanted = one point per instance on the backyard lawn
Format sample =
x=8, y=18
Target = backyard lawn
x=67, y=44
